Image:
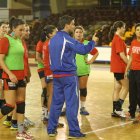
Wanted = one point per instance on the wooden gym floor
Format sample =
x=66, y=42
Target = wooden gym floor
x=99, y=125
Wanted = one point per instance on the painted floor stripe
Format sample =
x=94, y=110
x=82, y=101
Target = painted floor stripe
x=106, y=128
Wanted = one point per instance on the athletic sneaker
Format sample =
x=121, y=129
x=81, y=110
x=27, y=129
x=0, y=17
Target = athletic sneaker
x=45, y=120
x=83, y=111
x=14, y=126
x=52, y=134
x=24, y=136
x=120, y=113
x=129, y=117
x=138, y=117
x=7, y=123
x=79, y=135
x=60, y=125
x=113, y=114
x=63, y=112
x=28, y=122
x=138, y=109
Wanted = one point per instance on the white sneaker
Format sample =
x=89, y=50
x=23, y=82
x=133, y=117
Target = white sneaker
x=120, y=113
x=24, y=136
x=29, y=122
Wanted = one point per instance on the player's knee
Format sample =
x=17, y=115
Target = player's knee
x=44, y=92
x=6, y=109
x=21, y=107
x=83, y=92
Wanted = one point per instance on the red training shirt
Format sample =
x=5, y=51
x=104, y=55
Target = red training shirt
x=118, y=46
x=135, y=50
x=4, y=46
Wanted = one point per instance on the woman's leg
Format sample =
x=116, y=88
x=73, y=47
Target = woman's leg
x=14, y=120
x=2, y=101
x=20, y=100
x=43, y=97
x=132, y=94
x=10, y=99
x=50, y=94
x=125, y=85
x=83, y=93
x=120, y=93
x=115, y=97
x=138, y=91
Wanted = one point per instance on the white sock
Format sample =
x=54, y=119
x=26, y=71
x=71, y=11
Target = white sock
x=82, y=103
x=64, y=107
x=46, y=113
x=43, y=109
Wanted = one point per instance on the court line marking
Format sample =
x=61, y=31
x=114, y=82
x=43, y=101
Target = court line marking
x=106, y=128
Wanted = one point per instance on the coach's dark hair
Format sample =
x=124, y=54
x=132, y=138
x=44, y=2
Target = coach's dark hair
x=66, y=19
x=113, y=29
x=48, y=29
x=14, y=22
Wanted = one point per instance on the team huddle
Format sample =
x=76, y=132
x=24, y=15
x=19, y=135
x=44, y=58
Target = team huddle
x=63, y=69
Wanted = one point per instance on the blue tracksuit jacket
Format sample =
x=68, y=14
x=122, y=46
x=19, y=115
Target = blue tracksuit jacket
x=63, y=49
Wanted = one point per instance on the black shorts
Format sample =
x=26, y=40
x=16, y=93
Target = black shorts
x=83, y=75
x=8, y=85
x=49, y=79
x=119, y=76
x=41, y=74
x=1, y=71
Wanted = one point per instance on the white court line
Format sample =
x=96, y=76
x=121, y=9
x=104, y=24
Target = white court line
x=106, y=128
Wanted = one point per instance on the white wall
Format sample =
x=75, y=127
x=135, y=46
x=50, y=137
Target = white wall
x=22, y=4
x=104, y=54
x=4, y=14
x=81, y=2
x=58, y=6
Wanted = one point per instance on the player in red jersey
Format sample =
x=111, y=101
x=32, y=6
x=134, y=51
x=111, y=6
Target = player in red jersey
x=12, y=62
x=134, y=74
x=118, y=64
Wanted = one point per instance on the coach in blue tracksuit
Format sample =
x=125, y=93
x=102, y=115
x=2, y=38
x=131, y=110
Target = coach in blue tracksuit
x=63, y=49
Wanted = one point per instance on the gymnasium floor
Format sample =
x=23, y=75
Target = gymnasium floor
x=99, y=125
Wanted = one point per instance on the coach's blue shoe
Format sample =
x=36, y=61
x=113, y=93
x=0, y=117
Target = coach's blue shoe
x=52, y=134
x=83, y=111
x=77, y=135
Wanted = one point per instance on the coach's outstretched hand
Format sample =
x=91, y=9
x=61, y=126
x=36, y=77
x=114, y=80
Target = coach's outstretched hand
x=95, y=38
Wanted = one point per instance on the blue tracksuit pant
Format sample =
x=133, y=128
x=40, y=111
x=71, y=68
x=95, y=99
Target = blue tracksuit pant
x=65, y=89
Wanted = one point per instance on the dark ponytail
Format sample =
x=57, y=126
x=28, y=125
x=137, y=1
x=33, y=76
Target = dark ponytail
x=113, y=29
x=111, y=33
x=48, y=29
x=14, y=22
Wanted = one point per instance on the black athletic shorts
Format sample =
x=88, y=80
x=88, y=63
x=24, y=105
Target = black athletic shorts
x=1, y=71
x=41, y=74
x=83, y=75
x=8, y=85
x=119, y=76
